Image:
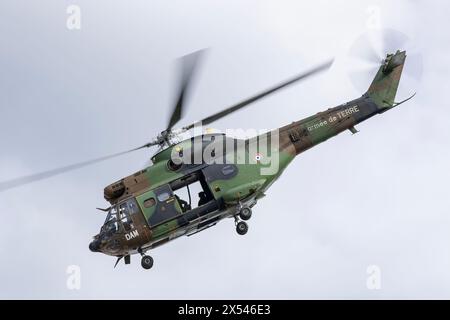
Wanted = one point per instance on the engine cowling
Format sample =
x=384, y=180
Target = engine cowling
x=114, y=190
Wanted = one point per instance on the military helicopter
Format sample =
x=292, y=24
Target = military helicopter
x=233, y=174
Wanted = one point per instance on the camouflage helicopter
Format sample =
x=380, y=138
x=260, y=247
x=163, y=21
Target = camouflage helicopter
x=146, y=209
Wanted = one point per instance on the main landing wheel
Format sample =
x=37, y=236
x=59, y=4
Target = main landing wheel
x=245, y=213
x=146, y=262
x=241, y=228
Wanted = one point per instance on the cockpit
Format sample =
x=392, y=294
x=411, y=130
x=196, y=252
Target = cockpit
x=119, y=217
x=119, y=221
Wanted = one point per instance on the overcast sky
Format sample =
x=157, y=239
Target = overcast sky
x=379, y=197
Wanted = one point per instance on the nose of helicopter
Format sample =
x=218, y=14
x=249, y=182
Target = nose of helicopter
x=94, y=246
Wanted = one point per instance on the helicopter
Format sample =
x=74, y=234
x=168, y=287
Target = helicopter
x=145, y=208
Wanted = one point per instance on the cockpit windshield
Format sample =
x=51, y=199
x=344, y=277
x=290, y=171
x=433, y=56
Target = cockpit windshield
x=111, y=224
x=119, y=217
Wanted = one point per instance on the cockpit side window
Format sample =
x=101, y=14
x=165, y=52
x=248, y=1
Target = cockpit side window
x=124, y=214
x=163, y=196
x=126, y=211
x=132, y=205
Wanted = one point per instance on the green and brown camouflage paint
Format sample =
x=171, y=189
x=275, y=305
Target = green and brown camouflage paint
x=247, y=184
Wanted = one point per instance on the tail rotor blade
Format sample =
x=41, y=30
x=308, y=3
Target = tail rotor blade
x=364, y=49
x=393, y=40
x=372, y=47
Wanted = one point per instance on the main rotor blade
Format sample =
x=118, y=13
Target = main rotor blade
x=188, y=66
x=260, y=95
x=13, y=183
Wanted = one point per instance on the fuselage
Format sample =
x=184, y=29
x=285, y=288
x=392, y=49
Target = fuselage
x=145, y=211
x=234, y=174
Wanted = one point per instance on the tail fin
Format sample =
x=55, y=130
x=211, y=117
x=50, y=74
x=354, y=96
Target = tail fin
x=385, y=84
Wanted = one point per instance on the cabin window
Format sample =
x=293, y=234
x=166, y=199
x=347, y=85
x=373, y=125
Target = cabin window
x=163, y=196
x=192, y=191
x=149, y=202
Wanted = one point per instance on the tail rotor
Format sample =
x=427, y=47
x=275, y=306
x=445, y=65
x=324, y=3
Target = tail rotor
x=369, y=50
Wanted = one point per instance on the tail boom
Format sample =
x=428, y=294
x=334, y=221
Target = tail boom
x=380, y=97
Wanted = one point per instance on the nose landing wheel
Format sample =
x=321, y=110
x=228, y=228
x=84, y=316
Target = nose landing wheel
x=146, y=262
